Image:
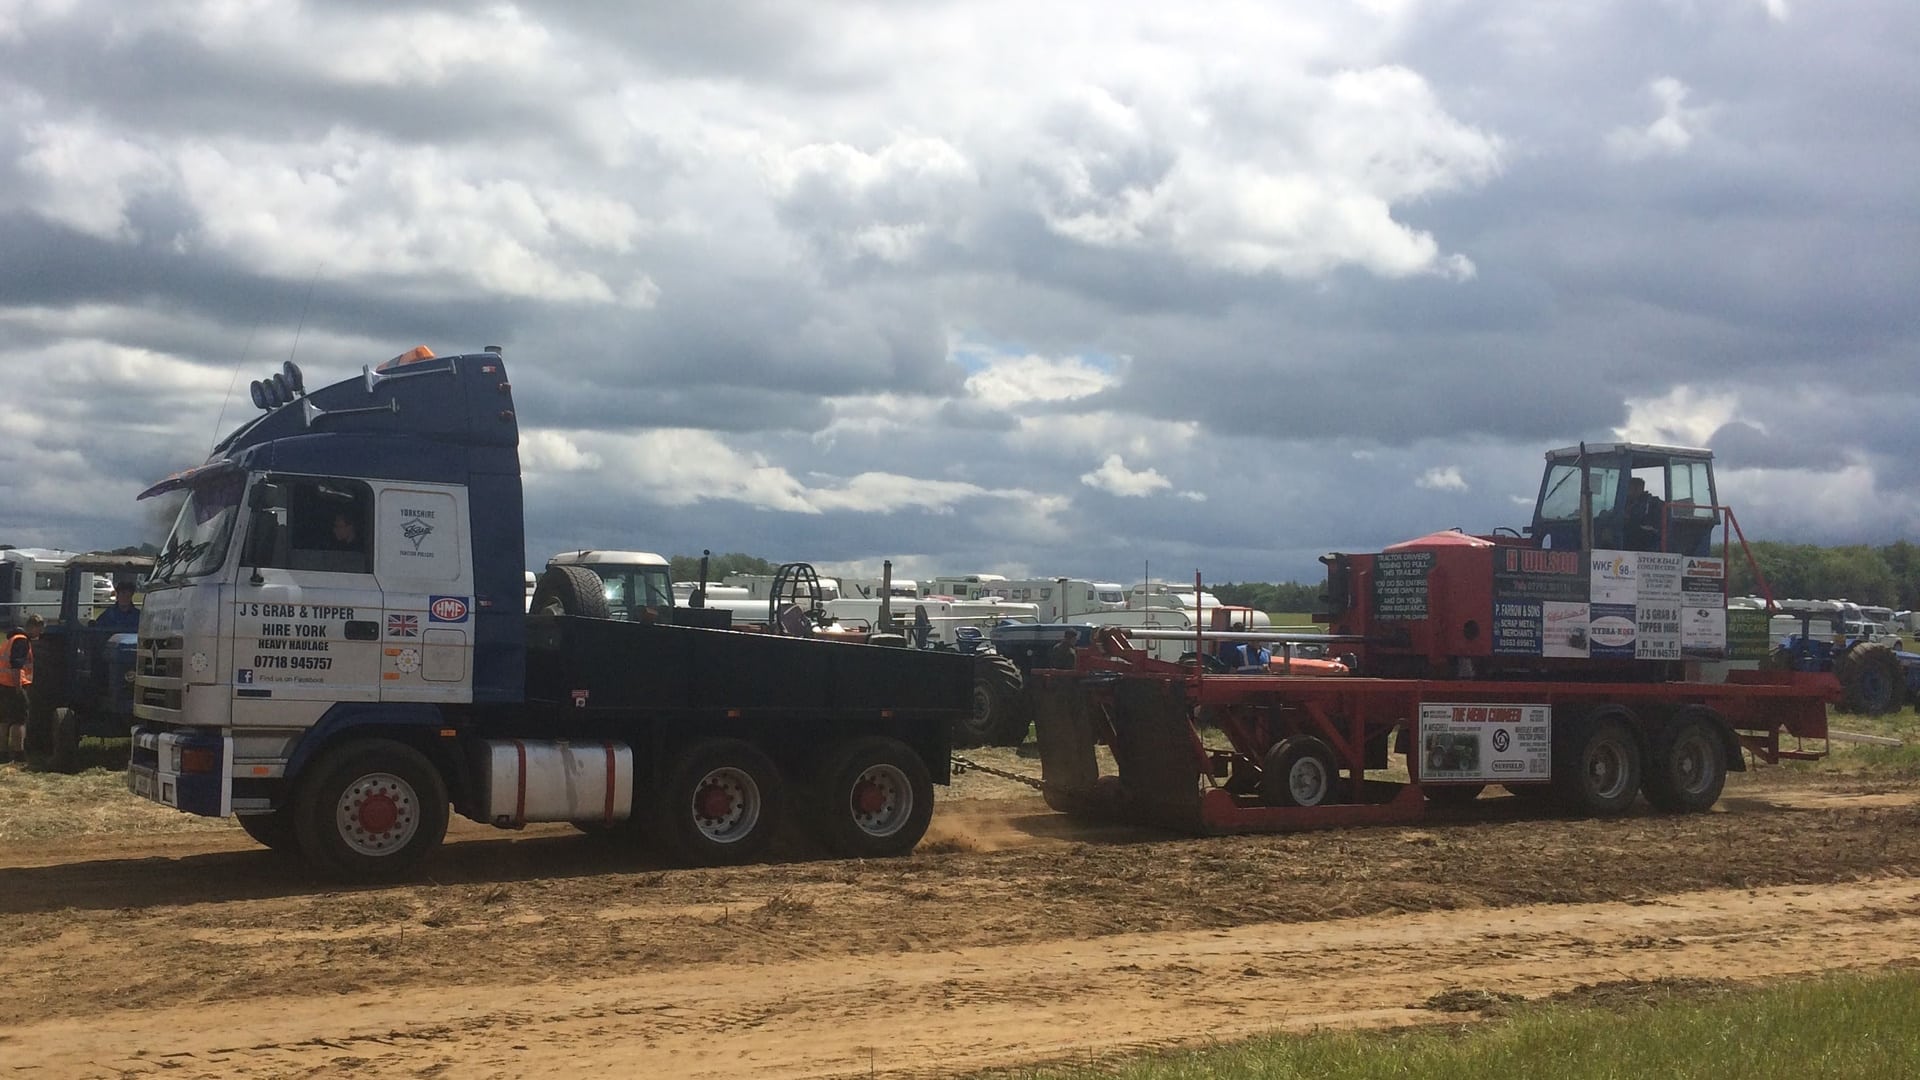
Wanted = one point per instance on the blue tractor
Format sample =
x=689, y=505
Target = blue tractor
x=83, y=679
x=1877, y=678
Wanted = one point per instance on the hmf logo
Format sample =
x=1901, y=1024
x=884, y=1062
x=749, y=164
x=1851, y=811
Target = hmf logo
x=446, y=609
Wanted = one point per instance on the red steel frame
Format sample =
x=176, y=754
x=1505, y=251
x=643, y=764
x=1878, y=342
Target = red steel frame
x=1772, y=715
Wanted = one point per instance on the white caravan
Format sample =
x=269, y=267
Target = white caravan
x=1060, y=599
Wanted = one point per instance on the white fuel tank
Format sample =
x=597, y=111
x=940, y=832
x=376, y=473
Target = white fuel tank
x=523, y=780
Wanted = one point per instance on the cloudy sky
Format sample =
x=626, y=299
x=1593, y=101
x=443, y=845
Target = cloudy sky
x=1052, y=288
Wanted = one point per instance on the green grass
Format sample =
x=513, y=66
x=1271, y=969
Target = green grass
x=1840, y=1027
x=1893, y=762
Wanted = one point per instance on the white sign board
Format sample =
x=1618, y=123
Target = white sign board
x=1485, y=743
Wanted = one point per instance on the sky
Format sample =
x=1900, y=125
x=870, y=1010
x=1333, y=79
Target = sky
x=1099, y=290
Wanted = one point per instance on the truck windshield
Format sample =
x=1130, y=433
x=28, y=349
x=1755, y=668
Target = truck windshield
x=198, y=543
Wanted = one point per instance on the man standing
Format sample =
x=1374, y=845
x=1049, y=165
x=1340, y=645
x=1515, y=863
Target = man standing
x=122, y=617
x=1644, y=514
x=1064, y=655
x=16, y=675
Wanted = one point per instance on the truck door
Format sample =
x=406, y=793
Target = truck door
x=425, y=570
x=307, y=618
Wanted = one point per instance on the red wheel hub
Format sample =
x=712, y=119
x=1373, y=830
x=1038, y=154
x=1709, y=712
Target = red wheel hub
x=378, y=812
x=869, y=797
x=713, y=802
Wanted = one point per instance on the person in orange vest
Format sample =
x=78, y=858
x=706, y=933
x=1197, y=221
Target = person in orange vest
x=16, y=675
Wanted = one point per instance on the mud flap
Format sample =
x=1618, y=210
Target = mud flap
x=1157, y=755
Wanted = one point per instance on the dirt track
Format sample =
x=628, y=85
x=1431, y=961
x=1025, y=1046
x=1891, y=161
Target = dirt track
x=1013, y=937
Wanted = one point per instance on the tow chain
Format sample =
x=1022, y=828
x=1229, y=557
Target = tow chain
x=966, y=765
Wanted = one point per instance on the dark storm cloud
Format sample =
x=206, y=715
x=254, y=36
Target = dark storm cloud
x=821, y=213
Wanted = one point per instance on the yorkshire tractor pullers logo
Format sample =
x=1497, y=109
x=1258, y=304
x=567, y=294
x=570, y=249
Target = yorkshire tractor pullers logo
x=415, y=531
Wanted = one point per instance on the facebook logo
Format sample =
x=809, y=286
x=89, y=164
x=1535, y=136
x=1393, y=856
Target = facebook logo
x=244, y=677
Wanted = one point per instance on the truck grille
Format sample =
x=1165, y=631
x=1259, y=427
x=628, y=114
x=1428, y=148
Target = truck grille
x=159, y=673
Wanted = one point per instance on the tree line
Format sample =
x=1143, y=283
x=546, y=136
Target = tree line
x=1888, y=575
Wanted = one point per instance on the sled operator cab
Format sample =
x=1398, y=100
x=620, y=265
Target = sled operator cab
x=1627, y=497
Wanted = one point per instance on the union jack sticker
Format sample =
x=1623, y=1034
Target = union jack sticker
x=403, y=626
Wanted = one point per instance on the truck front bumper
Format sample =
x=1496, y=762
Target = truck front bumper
x=188, y=769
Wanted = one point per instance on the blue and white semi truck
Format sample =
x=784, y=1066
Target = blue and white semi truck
x=335, y=648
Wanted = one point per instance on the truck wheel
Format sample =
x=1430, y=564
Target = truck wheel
x=1871, y=676
x=996, y=706
x=370, y=811
x=273, y=831
x=571, y=590
x=872, y=799
x=1596, y=766
x=721, y=803
x=1686, y=766
x=1779, y=658
x=1298, y=772
x=1452, y=794
x=64, y=756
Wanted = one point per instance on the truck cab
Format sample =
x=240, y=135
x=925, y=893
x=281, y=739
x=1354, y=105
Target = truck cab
x=336, y=649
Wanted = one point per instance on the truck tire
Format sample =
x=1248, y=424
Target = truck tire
x=370, y=810
x=1298, y=772
x=1872, y=678
x=571, y=590
x=41, y=717
x=1596, y=765
x=997, y=711
x=1686, y=765
x=63, y=756
x=1779, y=658
x=870, y=799
x=273, y=831
x=720, y=804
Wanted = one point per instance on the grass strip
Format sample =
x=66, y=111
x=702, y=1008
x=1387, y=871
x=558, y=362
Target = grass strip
x=1836, y=1027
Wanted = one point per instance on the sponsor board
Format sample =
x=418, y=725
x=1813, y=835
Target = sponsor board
x=1565, y=629
x=1656, y=631
x=1613, y=578
x=1517, y=627
x=1485, y=743
x=1611, y=631
x=1703, y=632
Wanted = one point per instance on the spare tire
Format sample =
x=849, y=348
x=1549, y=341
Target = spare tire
x=571, y=590
x=1872, y=678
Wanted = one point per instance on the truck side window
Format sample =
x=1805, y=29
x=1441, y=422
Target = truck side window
x=329, y=526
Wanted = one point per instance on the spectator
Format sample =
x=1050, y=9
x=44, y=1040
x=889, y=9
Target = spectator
x=16, y=682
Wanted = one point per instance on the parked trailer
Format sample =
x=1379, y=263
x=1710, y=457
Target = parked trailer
x=1537, y=662
x=334, y=648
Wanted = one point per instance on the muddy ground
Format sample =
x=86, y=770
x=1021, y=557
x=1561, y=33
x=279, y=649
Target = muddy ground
x=1015, y=935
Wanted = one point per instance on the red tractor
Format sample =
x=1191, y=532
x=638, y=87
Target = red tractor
x=1588, y=659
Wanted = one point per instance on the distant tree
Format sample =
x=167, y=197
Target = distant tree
x=1290, y=596
x=687, y=567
